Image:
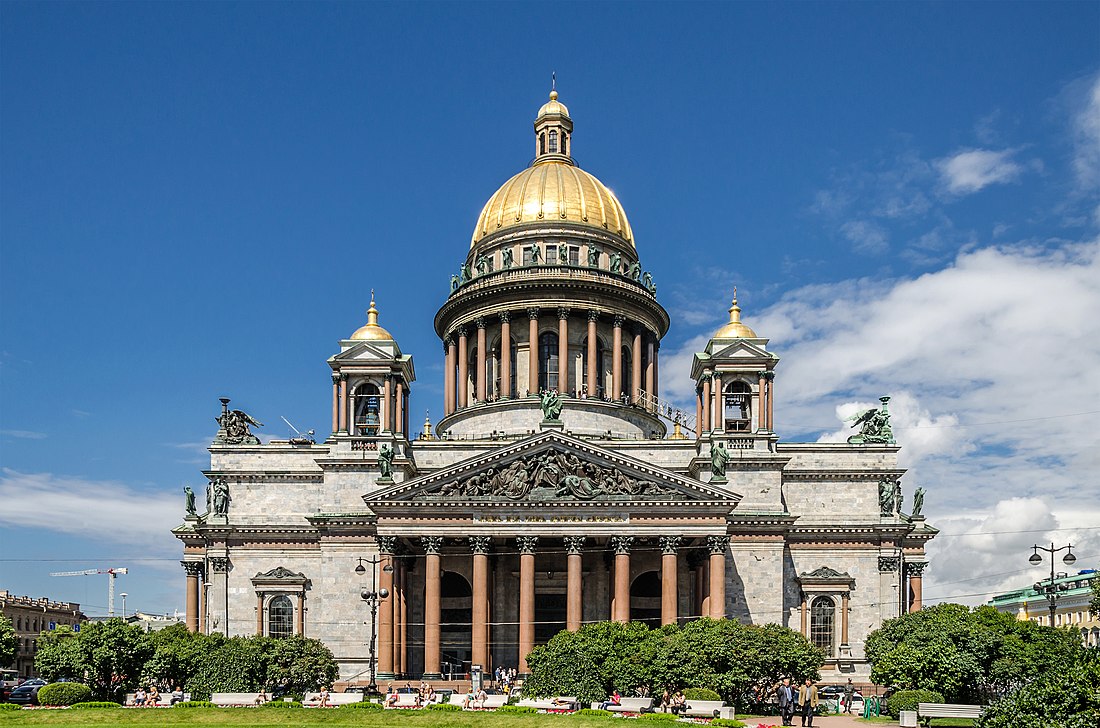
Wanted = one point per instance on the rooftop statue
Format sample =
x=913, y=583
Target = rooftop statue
x=456, y=281
x=536, y=255
x=719, y=456
x=234, y=427
x=593, y=256
x=647, y=281
x=918, y=501
x=482, y=265
x=874, y=426
x=636, y=271
x=506, y=258
x=220, y=488
x=616, y=264
x=551, y=404
x=189, y=496
x=464, y=273
x=563, y=254
x=888, y=493
x=385, y=460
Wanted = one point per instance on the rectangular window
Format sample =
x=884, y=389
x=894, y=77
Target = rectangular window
x=574, y=255
x=527, y=256
x=551, y=254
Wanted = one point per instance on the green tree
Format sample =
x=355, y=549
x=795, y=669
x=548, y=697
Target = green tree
x=300, y=664
x=968, y=655
x=106, y=656
x=7, y=642
x=230, y=665
x=1066, y=698
x=1094, y=605
x=177, y=655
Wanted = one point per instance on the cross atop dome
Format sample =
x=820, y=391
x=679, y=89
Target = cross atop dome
x=553, y=131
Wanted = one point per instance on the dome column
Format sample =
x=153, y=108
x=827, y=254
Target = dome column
x=617, y=358
x=449, y=376
x=463, y=363
x=399, y=419
x=343, y=404
x=387, y=404
x=533, y=350
x=480, y=374
x=698, y=411
x=650, y=370
x=593, y=387
x=335, y=403
x=705, y=424
x=636, y=365
x=563, y=350
x=718, y=410
x=505, y=356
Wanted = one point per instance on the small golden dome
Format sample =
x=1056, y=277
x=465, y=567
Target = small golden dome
x=372, y=331
x=553, y=106
x=735, y=329
x=553, y=190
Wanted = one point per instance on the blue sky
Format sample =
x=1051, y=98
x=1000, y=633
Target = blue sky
x=196, y=200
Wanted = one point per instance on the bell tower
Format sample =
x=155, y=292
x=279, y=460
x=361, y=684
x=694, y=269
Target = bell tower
x=553, y=132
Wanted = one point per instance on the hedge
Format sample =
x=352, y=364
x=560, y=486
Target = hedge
x=701, y=694
x=908, y=699
x=517, y=709
x=365, y=705
x=281, y=704
x=65, y=693
x=659, y=717
x=96, y=704
x=10, y=706
x=727, y=723
x=442, y=706
x=594, y=713
x=195, y=704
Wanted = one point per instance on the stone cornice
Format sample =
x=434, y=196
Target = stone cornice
x=869, y=474
x=266, y=476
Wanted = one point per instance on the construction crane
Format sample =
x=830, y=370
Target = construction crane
x=111, y=574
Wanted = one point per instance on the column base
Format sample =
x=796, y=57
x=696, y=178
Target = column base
x=385, y=480
x=386, y=676
x=552, y=425
x=718, y=479
x=431, y=676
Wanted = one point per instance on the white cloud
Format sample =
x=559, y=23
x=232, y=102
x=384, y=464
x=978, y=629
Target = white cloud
x=866, y=236
x=103, y=510
x=971, y=170
x=1086, y=130
x=24, y=434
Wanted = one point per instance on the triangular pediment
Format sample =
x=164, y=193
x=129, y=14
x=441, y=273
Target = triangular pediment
x=368, y=351
x=741, y=349
x=552, y=467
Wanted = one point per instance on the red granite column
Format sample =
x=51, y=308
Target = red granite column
x=259, y=614
x=617, y=358
x=335, y=403
x=621, y=545
x=526, y=546
x=343, y=403
x=650, y=372
x=706, y=425
x=449, y=377
x=636, y=364
x=574, y=599
x=399, y=419
x=479, y=612
x=669, y=547
x=191, y=606
x=463, y=364
x=387, y=403
x=386, y=546
x=505, y=356
x=718, y=546
x=563, y=351
x=762, y=405
x=432, y=575
x=533, y=351
x=593, y=384
x=719, y=406
x=479, y=376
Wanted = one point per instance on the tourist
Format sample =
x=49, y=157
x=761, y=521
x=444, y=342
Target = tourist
x=849, y=692
x=139, y=697
x=324, y=698
x=391, y=697
x=261, y=697
x=468, y=701
x=482, y=696
x=615, y=699
x=679, y=702
x=153, y=698
x=786, y=701
x=807, y=699
x=666, y=701
x=177, y=695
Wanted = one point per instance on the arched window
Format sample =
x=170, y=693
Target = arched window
x=738, y=407
x=366, y=410
x=496, y=372
x=564, y=143
x=280, y=617
x=455, y=616
x=553, y=142
x=822, y=622
x=548, y=361
x=595, y=389
x=542, y=144
x=645, y=598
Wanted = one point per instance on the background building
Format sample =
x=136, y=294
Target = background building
x=1072, y=607
x=559, y=488
x=30, y=617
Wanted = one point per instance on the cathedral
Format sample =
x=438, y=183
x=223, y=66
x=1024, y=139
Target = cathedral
x=558, y=488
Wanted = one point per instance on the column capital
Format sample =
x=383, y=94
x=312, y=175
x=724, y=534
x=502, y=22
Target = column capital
x=505, y=316
x=593, y=315
x=432, y=544
x=481, y=544
x=574, y=544
x=480, y=322
x=386, y=544
x=706, y=377
x=618, y=321
x=622, y=544
x=768, y=374
x=670, y=544
x=527, y=544
x=718, y=544
x=461, y=332
x=888, y=563
x=193, y=568
x=343, y=377
x=220, y=565
x=448, y=341
x=563, y=312
x=915, y=568
x=533, y=313
x=336, y=377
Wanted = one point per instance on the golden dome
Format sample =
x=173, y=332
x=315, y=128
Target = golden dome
x=549, y=191
x=553, y=106
x=735, y=329
x=372, y=331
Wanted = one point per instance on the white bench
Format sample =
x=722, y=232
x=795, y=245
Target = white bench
x=927, y=711
x=164, y=700
x=492, y=702
x=405, y=700
x=629, y=705
x=313, y=700
x=224, y=700
x=559, y=703
x=707, y=709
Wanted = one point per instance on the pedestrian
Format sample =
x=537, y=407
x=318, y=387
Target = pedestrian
x=807, y=699
x=849, y=692
x=786, y=701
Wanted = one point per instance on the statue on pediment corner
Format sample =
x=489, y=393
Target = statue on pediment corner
x=234, y=427
x=189, y=500
x=874, y=426
x=918, y=502
x=220, y=488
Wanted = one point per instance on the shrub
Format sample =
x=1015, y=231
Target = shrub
x=727, y=723
x=594, y=713
x=701, y=694
x=96, y=704
x=908, y=699
x=195, y=704
x=281, y=704
x=365, y=705
x=659, y=717
x=442, y=706
x=517, y=709
x=10, y=706
x=65, y=693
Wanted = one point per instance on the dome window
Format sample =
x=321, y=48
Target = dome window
x=738, y=407
x=548, y=361
x=553, y=141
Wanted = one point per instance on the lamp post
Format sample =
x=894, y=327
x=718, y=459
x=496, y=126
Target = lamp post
x=123, y=595
x=1050, y=590
x=372, y=596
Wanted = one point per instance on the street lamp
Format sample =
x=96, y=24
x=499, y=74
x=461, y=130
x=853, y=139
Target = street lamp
x=372, y=597
x=123, y=595
x=1050, y=590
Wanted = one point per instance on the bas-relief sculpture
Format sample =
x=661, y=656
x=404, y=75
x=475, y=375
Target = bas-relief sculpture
x=552, y=475
x=874, y=426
